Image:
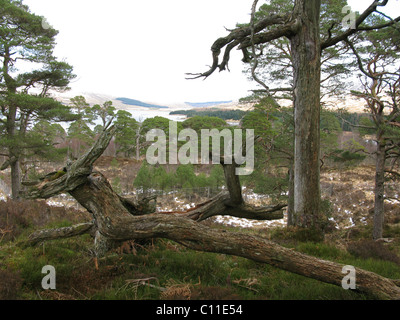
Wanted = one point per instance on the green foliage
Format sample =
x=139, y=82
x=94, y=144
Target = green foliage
x=351, y=155
x=114, y=163
x=41, y=138
x=171, y=266
x=106, y=112
x=275, y=62
x=80, y=130
x=219, y=113
x=217, y=177
x=264, y=182
x=329, y=122
x=127, y=131
x=23, y=38
x=37, y=107
x=157, y=123
x=329, y=131
x=158, y=178
x=83, y=109
x=116, y=184
x=160, y=123
x=198, y=123
x=368, y=126
x=186, y=176
x=144, y=177
x=348, y=156
x=348, y=120
x=273, y=127
x=47, y=135
x=161, y=178
x=150, y=177
x=261, y=119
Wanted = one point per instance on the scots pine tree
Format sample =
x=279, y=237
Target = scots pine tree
x=28, y=72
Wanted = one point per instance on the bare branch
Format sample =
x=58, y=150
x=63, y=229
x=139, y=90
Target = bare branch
x=356, y=125
x=240, y=37
x=274, y=90
x=5, y=165
x=397, y=174
x=73, y=174
x=359, y=61
x=370, y=10
x=60, y=233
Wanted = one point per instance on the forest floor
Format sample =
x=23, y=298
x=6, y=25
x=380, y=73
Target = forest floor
x=161, y=269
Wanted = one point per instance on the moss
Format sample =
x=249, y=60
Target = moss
x=57, y=175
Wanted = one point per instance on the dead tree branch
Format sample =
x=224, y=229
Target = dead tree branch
x=53, y=234
x=241, y=38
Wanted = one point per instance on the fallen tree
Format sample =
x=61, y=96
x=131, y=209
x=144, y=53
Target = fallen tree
x=117, y=219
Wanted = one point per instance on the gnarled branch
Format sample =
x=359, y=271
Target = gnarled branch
x=59, y=233
x=241, y=37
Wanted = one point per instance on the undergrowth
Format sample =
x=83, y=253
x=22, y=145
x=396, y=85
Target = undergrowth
x=162, y=269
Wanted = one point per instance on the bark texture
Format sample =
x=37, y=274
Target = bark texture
x=53, y=234
x=306, y=55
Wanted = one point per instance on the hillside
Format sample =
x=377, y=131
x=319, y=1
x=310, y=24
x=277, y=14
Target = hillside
x=133, y=102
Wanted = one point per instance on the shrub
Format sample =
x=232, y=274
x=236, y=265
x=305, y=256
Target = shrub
x=13, y=219
x=17, y=216
x=372, y=249
x=10, y=284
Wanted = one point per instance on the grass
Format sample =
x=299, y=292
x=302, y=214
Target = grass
x=161, y=269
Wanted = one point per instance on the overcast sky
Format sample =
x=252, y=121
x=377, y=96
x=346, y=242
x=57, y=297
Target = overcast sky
x=142, y=49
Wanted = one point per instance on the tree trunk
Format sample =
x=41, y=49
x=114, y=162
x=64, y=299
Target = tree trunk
x=379, y=212
x=138, y=142
x=307, y=72
x=13, y=152
x=233, y=184
x=15, y=178
x=290, y=209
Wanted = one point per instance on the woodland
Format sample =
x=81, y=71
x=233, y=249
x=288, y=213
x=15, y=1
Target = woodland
x=323, y=195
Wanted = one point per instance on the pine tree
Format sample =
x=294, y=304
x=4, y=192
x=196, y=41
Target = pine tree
x=126, y=136
x=24, y=96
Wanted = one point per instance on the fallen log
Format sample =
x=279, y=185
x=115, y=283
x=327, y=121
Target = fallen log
x=115, y=222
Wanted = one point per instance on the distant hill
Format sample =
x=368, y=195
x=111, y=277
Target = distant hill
x=212, y=112
x=133, y=102
x=206, y=104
